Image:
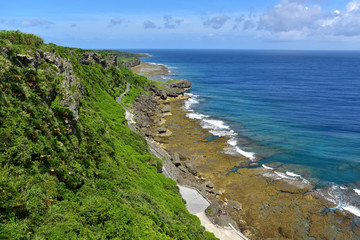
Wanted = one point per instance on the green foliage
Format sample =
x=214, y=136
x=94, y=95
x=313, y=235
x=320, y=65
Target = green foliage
x=120, y=54
x=123, y=56
x=17, y=37
x=85, y=178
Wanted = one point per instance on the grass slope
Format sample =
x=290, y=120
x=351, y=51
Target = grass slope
x=94, y=180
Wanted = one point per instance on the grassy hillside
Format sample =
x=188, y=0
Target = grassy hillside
x=70, y=168
x=124, y=57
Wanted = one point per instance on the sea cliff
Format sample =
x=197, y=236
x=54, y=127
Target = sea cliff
x=70, y=167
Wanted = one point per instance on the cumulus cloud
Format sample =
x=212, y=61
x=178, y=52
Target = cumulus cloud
x=216, y=22
x=353, y=6
x=30, y=22
x=149, y=24
x=115, y=21
x=296, y=20
x=245, y=22
x=172, y=22
x=290, y=16
x=348, y=23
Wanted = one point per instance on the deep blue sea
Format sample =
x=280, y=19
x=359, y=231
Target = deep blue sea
x=299, y=108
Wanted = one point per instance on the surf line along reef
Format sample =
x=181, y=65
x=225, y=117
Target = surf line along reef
x=266, y=206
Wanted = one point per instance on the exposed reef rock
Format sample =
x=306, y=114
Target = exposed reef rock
x=166, y=109
x=183, y=83
x=173, y=89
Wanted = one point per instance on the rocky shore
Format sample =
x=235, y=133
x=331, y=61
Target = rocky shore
x=149, y=113
x=253, y=199
x=155, y=72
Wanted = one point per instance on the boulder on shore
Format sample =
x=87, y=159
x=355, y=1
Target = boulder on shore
x=209, y=184
x=176, y=159
x=183, y=83
x=166, y=109
x=162, y=129
x=234, y=204
x=192, y=169
x=172, y=89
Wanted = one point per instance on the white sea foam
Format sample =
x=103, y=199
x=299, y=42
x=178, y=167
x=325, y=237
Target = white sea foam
x=216, y=127
x=266, y=167
x=191, y=95
x=157, y=64
x=233, y=142
x=222, y=133
x=282, y=175
x=194, y=115
x=190, y=102
x=357, y=191
x=249, y=155
x=165, y=77
x=352, y=209
x=343, y=202
x=214, y=124
x=291, y=174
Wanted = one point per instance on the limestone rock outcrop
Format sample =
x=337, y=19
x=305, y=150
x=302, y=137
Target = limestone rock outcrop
x=108, y=61
x=173, y=89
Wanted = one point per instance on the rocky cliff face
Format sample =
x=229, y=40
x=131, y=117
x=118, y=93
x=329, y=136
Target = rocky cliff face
x=173, y=89
x=108, y=61
x=70, y=98
x=54, y=182
x=132, y=63
x=73, y=89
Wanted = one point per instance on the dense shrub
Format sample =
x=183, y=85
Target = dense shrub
x=87, y=179
x=17, y=37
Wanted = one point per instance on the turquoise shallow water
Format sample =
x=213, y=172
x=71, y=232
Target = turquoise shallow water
x=299, y=108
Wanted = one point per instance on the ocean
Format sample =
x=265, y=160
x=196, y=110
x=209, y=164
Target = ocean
x=294, y=111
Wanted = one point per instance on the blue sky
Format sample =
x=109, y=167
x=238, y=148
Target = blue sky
x=226, y=24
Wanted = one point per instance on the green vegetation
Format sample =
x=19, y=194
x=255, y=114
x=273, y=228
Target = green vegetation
x=124, y=56
x=70, y=168
x=17, y=37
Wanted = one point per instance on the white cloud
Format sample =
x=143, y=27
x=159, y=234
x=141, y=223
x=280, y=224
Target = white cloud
x=348, y=23
x=115, y=21
x=149, y=24
x=30, y=22
x=290, y=16
x=295, y=20
x=353, y=6
x=172, y=22
x=216, y=22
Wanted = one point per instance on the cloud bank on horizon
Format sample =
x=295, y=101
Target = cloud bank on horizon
x=292, y=24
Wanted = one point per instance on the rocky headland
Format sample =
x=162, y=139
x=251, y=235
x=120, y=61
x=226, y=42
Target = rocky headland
x=252, y=198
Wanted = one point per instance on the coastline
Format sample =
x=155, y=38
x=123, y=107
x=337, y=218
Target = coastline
x=273, y=203
x=153, y=71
